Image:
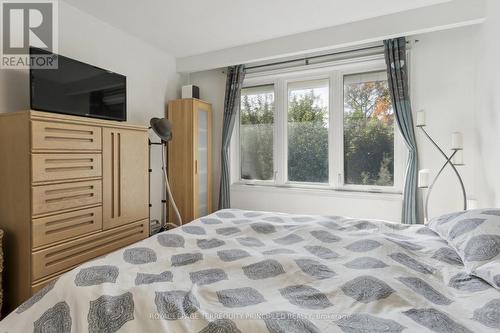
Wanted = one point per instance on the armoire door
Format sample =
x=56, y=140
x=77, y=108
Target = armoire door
x=125, y=177
x=203, y=159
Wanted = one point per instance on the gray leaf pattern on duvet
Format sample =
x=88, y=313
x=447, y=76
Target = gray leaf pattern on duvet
x=56, y=319
x=288, y=322
x=407, y=245
x=208, y=276
x=489, y=314
x=423, y=288
x=227, y=231
x=427, y=231
x=225, y=215
x=302, y=219
x=365, y=263
x=147, y=278
x=409, y=262
x=239, y=297
x=109, y=313
x=315, y=269
x=175, y=304
x=367, y=289
x=363, y=245
x=194, y=230
x=278, y=251
x=250, y=241
x=185, y=259
x=494, y=212
x=329, y=224
x=242, y=221
x=92, y=276
x=171, y=240
x=263, y=227
x=289, y=239
x=365, y=225
x=273, y=219
x=252, y=214
x=205, y=244
x=37, y=297
x=321, y=252
x=464, y=226
x=435, y=320
x=263, y=269
x=325, y=236
x=482, y=247
x=232, y=254
x=465, y=282
x=139, y=255
x=210, y=221
x=221, y=326
x=445, y=219
x=365, y=323
x=448, y=255
x=496, y=280
x=306, y=297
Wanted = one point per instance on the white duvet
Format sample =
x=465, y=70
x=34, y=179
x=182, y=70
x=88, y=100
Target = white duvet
x=243, y=271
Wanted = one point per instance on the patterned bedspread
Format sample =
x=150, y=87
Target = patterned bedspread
x=243, y=271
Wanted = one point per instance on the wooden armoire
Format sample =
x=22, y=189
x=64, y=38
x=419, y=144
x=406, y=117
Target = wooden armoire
x=190, y=158
x=71, y=189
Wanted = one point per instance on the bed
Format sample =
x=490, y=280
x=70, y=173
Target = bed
x=246, y=271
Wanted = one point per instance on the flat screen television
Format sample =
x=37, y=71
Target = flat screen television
x=78, y=89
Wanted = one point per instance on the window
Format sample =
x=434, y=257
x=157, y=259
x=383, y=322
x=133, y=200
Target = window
x=368, y=130
x=328, y=128
x=308, y=131
x=256, y=133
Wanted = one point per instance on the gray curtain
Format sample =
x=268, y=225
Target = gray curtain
x=397, y=72
x=234, y=81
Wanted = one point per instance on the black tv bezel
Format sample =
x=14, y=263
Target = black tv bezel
x=40, y=51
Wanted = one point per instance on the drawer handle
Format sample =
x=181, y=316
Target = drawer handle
x=68, y=160
x=71, y=197
x=67, y=130
x=69, y=227
x=69, y=189
x=66, y=138
x=75, y=168
x=55, y=222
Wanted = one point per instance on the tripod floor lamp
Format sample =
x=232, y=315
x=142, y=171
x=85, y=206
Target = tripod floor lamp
x=452, y=160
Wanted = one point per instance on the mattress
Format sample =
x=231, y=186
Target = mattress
x=246, y=271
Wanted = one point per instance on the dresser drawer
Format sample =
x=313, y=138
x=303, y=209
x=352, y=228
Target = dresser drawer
x=52, y=198
x=47, y=167
x=73, y=253
x=47, y=135
x=55, y=228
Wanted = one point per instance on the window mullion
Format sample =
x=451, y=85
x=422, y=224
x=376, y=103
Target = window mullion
x=337, y=149
x=280, y=141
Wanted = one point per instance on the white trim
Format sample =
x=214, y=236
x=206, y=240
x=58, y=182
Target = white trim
x=334, y=72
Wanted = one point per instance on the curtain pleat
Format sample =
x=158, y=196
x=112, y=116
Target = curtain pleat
x=234, y=81
x=397, y=72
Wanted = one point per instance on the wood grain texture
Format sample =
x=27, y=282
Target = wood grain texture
x=73, y=253
x=51, y=206
x=54, y=228
x=183, y=157
x=54, y=167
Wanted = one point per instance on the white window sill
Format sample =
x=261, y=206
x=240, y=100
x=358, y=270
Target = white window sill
x=318, y=190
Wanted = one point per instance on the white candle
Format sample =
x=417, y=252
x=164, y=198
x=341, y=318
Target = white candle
x=457, y=141
x=420, y=118
x=458, y=158
x=423, y=178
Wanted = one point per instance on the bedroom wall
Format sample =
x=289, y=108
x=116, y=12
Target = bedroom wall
x=442, y=82
x=487, y=115
x=151, y=74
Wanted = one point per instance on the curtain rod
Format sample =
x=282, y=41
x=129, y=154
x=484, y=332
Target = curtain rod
x=306, y=59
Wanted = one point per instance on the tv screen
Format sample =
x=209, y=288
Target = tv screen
x=78, y=89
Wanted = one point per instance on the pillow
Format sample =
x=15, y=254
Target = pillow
x=475, y=235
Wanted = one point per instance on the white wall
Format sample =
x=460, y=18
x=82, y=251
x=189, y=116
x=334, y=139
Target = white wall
x=443, y=67
x=151, y=74
x=442, y=82
x=487, y=114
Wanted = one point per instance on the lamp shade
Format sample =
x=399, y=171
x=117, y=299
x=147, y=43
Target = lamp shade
x=162, y=127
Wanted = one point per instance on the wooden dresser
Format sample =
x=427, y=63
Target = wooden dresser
x=71, y=189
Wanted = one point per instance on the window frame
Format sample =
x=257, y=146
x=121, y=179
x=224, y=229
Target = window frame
x=335, y=73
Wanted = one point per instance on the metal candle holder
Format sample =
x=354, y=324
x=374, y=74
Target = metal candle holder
x=448, y=162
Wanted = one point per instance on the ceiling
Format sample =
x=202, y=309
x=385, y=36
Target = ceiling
x=190, y=27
